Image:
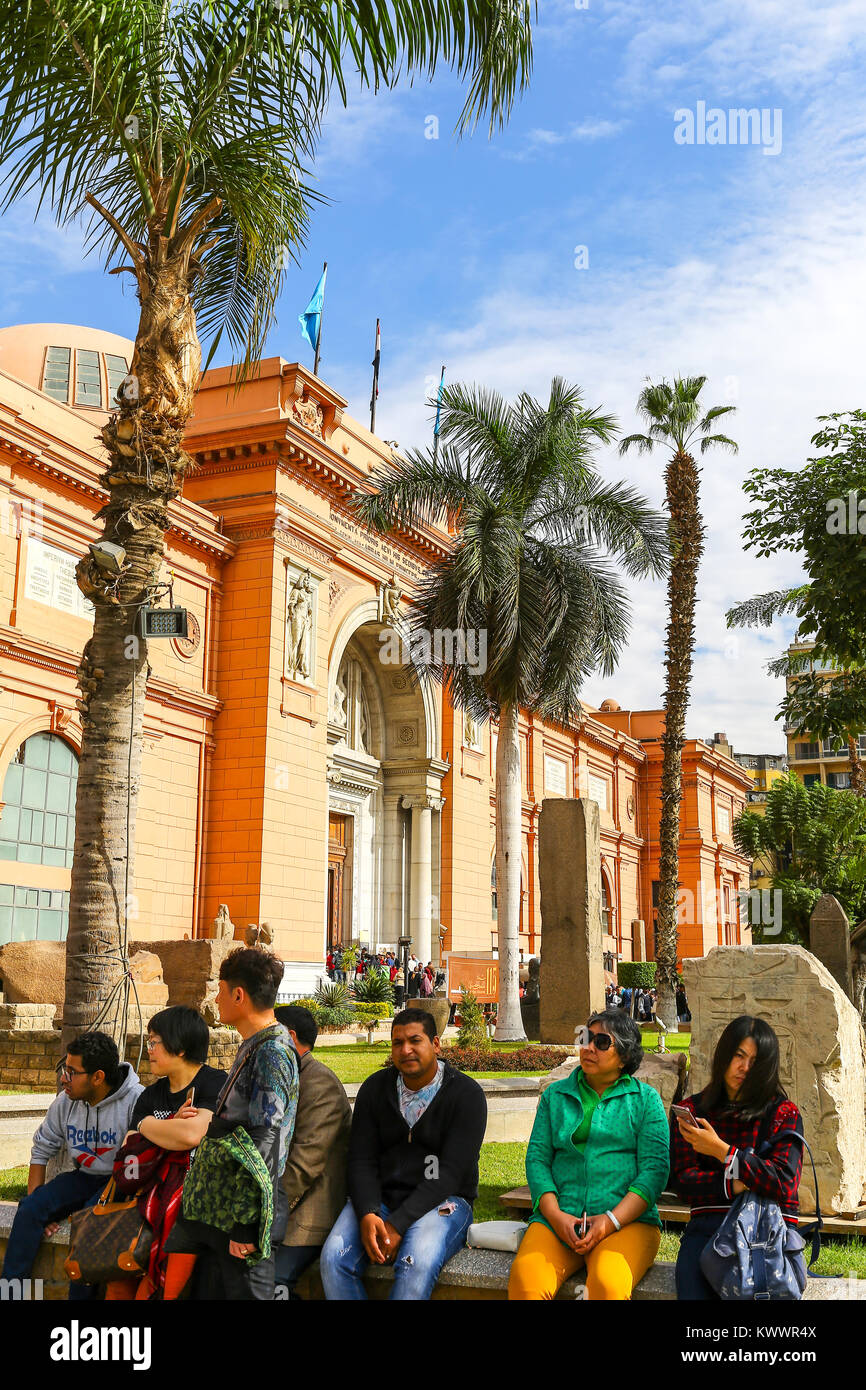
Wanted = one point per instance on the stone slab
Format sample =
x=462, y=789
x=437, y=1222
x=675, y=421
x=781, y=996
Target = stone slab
x=572, y=966
x=822, y=1046
x=830, y=940
x=34, y=972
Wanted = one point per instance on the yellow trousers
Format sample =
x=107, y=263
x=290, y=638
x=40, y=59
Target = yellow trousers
x=542, y=1263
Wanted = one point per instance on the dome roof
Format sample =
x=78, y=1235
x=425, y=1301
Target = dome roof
x=80, y=367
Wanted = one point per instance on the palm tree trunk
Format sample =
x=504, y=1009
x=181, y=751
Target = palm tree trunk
x=682, y=488
x=509, y=814
x=857, y=782
x=146, y=461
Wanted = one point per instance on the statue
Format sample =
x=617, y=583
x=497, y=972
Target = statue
x=223, y=928
x=310, y=415
x=470, y=731
x=299, y=620
x=258, y=936
x=389, y=598
x=337, y=713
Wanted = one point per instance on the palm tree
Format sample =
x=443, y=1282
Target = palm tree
x=534, y=528
x=673, y=420
x=181, y=132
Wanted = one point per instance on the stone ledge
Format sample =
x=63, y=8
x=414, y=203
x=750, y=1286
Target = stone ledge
x=483, y=1275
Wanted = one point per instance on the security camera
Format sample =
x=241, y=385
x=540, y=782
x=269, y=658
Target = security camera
x=109, y=557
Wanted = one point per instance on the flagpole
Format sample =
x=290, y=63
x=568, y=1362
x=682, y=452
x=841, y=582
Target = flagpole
x=436, y=426
x=319, y=334
x=376, y=354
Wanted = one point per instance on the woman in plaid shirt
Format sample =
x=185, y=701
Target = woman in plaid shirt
x=712, y=1161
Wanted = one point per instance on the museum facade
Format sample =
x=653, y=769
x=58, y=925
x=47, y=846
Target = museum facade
x=293, y=769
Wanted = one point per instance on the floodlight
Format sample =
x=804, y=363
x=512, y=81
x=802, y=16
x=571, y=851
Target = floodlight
x=162, y=622
x=109, y=557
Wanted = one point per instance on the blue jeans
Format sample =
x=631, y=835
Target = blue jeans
x=53, y=1201
x=428, y=1244
x=691, y=1284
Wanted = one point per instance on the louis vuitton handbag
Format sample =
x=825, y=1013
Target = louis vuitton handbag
x=110, y=1240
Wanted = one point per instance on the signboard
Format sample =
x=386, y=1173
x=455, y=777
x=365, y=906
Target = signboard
x=555, y=776
x=479, y=974
x=50, y=579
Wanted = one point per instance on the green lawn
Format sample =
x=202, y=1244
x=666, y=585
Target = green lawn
x=356, y=1061
x=13, y=1184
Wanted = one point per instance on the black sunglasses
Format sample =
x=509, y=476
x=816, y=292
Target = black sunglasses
x=602, y=1042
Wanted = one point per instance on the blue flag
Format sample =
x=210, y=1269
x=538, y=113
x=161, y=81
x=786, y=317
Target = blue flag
x=311, y=318
x=439, y=401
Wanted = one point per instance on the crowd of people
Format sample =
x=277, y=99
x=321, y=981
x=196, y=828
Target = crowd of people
x=246, y=1177
x=640, y=1003
x=423, y=980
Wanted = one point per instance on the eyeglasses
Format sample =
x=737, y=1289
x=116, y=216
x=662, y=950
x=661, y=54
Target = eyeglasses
x=70, y=1071
x=152, y=1043
x=602, y=1042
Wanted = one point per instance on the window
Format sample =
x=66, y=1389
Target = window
x=804, y=752
x=810, y=778
x=117, y=368
x=32, y=914
x=597, y=791
x=723, y=820
x=839, y=780
x=493, y=890
x=605, y=908
x=88, y=379
x=55, y=378
x=38, y=821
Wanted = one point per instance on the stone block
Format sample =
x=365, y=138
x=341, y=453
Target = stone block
x=572, y=969
x=28, y=1017
x=34, y=972
x=822, y=1045
x=190, y=969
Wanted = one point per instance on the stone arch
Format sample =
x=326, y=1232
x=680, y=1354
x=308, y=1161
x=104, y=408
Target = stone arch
x=366, y=614
x=36, y=724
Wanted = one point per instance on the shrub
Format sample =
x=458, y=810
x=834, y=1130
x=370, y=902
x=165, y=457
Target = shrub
x=523, y=1059
x=333, y=994
x=335, y=1020
x=473, y=1029
x=637, y=974
x=376, y=1010
x=374, y=988
x=311, y=1004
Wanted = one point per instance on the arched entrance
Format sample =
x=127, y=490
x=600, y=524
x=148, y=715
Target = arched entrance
x=384, y=793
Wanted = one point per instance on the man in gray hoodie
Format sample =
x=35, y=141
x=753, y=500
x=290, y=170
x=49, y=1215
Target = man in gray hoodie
x=90, y=1117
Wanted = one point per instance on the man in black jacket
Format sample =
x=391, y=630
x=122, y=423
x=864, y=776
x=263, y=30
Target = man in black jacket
x=417, y=1132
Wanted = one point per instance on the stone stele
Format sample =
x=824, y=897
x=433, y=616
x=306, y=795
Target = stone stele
x=822, y=1045
x=572, y=964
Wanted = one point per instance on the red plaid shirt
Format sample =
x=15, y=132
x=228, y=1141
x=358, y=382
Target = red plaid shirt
x=707, y=1185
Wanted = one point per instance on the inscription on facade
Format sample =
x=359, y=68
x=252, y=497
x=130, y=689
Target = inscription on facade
x=383, y=549
x=50, y=579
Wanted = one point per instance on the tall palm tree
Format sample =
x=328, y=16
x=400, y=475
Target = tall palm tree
x=673, y=420
x=535, y=527
x=181, y=132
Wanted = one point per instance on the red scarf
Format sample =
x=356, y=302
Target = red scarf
x=156, y=1179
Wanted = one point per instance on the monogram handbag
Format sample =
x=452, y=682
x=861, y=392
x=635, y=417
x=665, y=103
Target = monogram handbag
x=110, y=1240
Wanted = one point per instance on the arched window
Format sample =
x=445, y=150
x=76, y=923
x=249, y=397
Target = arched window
x=605, y=907
x=38, y=821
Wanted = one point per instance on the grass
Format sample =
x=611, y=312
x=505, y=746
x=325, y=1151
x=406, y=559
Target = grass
x=13, y=1184
x=356, y=1061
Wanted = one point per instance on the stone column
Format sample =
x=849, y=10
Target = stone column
x=420, y=875
x=572, y=966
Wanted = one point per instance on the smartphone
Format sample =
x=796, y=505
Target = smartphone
x=190, y=1096
x=683, y=1113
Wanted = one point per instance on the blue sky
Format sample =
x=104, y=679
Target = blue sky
x=716, y=259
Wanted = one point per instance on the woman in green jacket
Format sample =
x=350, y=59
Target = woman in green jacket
x=596, y=1164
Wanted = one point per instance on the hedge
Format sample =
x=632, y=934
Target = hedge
x=637, y=974
x=522, y=1059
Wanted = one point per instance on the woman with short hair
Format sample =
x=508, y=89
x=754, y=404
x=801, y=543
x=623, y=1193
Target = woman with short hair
x=714, y=1158
x=596, y=1164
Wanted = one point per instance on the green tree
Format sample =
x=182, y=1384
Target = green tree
x=674, y=420
x=473, y=1030
x=818, y=512
x=816, y=837
x=182, y=132
x=535, y=528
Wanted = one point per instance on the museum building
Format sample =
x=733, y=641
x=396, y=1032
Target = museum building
x=291, y=769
